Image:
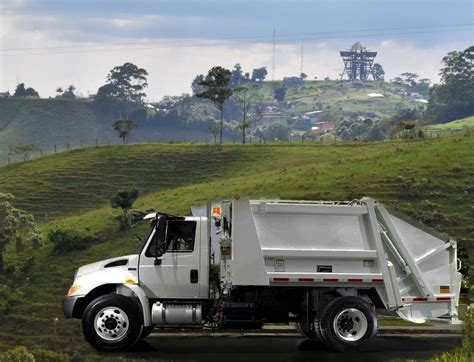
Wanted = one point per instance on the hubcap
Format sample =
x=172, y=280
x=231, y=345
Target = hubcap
x=350, y=325
x=111, y=324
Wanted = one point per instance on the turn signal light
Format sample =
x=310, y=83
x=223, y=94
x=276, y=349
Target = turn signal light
x=73, y=290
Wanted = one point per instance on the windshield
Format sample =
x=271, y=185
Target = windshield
x=147, y=236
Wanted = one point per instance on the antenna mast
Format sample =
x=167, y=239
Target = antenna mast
x=301, y=72
x=273, y=58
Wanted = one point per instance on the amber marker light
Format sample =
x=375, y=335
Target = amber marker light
x=73, y=290
x=130, y=281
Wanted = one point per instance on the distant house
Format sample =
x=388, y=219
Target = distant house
x=323, y=127
x=5, y=95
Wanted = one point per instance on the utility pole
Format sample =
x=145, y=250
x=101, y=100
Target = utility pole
x=273, y=57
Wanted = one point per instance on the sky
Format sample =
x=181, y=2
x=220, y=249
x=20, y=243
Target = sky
x=53, y=43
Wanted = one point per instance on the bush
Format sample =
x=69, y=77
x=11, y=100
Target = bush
x=21, y=354
x=50, y=356
x=16, y=354
x=9, y=297
x=65, y=241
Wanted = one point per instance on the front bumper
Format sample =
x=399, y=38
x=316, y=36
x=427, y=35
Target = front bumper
x=68, y=306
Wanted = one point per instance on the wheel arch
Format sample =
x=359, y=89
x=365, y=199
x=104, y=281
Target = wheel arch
x=133, y=291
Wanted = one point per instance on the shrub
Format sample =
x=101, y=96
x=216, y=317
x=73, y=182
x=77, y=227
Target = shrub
x=50, y=356
x=9, y=297
x=65, y=241
x=16, y=354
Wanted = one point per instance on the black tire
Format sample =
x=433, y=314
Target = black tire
x=313, y=332
x=308, y=333
x=146, y=331
x=345, y=316
x=126, y=330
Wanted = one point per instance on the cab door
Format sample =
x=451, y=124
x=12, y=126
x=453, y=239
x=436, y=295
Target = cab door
x=177, y=272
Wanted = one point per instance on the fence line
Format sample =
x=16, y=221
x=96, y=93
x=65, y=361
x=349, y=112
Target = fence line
x=97, y=142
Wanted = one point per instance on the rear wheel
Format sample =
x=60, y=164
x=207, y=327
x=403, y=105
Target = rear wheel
x=312, y=331
x=348, y=324
x=307, y=332
x=112, y=322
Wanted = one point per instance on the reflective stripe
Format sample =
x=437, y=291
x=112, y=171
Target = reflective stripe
x=325, y=280
x=427, y=299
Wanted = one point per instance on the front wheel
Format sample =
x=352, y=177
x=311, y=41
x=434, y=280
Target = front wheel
x=146, y=331
x=112, y=323
x=348, y=324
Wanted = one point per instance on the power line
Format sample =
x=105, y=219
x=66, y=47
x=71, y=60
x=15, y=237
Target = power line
x=207, y=44
x=239, y=37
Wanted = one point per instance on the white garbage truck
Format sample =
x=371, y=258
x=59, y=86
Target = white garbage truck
x=328, y=267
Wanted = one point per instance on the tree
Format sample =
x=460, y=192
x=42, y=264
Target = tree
x=59, y=92
x=123, y=91
x=69, y=92
x=214, y=129
x=410, y=78
x=277, y=132
x=303, y=76
x=397, y=80
x=259, y=74
x=16, y=226
x=124, y=127
x=216, y=82
x=236, y=77
x=454, y=97
x=196, y=85
x=22, y=92
x=424, y=86
x=22, y=149
x=124, y=200
x=279, y=94
x=379, y=73
x=244, y=98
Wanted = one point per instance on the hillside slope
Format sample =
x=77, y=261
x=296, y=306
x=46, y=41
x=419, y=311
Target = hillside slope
x=431, y=180
x=458, y=125
x=49, y=122
x=46, y=122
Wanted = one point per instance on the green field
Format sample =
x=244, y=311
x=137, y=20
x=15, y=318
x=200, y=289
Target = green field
x=458, y=125
x=432, y=180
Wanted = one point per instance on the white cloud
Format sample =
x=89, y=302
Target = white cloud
x=173, y=68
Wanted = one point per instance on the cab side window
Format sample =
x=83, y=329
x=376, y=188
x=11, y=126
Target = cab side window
x=180, y=236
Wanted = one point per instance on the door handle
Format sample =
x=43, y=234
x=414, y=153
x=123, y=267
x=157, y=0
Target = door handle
x=194, y=276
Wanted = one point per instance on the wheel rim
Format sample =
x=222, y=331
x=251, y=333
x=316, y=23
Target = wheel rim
x=111, y=324
x=350, y=325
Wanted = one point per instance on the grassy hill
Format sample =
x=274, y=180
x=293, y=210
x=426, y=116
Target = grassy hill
x=46, y=122
x=344, y=97
x=431, y=180
x=50, y=122
x=454, y=126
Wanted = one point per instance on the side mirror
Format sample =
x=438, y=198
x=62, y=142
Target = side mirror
x=160, y=238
